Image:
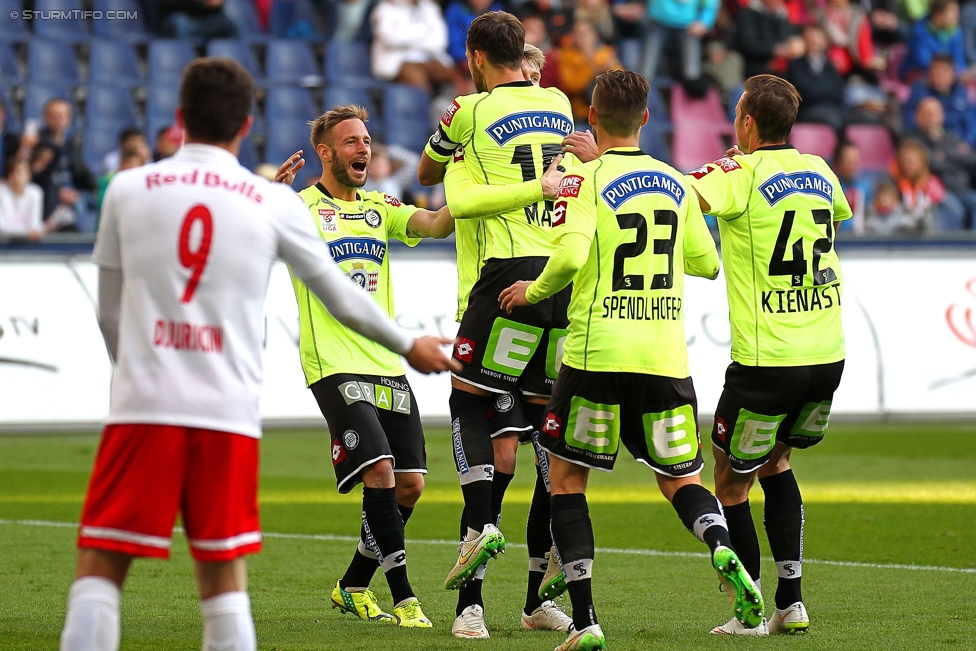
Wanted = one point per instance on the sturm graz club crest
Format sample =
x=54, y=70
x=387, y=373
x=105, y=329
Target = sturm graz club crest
x=364, y=278
x=373, y=219
x=350, y=438
x=504, y=402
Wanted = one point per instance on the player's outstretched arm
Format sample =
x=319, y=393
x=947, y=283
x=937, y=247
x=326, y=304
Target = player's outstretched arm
x=703, y=266
x=110, y=307
x=571, y=253
x=469, y=200
x=286, y=173
x=430, y=172
x=427, y=223
x=426, y=355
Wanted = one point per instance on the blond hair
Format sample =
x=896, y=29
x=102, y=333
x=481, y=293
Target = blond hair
x=323, y=125
x=534, y=56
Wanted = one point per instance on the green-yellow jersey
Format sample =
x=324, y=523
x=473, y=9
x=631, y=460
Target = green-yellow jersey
x=642, y=220
x=358, y=233
x=509, y=135
x=776, y=210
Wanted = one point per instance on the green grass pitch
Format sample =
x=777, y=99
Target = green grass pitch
x=890, y=552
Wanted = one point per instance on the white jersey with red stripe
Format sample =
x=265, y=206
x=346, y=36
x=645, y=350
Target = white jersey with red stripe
x=195, y=237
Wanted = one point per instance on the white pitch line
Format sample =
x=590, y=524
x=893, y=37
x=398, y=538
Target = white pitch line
x=603, y=550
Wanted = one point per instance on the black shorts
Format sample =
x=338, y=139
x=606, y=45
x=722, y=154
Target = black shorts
x=761, y=405
x=370, y=418
x=521, y=351
x=505, y=416
x=656, y=418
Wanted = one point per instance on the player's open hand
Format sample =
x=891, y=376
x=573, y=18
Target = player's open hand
x=426, y=355
x=286, y=173
x=514, y=296
x=581, y=144
x=552, y=178
x=734, y=151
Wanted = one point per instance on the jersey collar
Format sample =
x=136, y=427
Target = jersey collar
x=321, y=188
x=785, y=145
x=515, y=84
x=625, y=151
x=197, y=151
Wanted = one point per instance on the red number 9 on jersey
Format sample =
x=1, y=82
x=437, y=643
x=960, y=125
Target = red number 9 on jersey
x=195, y=260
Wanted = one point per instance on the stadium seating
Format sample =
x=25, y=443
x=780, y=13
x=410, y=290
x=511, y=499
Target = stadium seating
x=168, y=57
x=161, y=104
x=692, y=147
x=237, y=50
x=341, y=95
x=292, y=62
x=244, y=14
x=406, y=116
x=52, y=62
x=9, y=68
x=12, y=121
x=114, y=62
x=876, y=145
x=38, y=94
x=13, y=30
x=348, y=63
x=128, y=29
x=248, y=154
x=64, y=29
x=287, y=137
x=704, y=111
x=816, y=139
x=100, y=139
x=287, y=102
x=111, y=104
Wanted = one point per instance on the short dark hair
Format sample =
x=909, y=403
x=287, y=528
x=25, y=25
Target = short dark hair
x=942, y=57
x=216, y=96
x=500, y=36
x=323, y=125
x=129, y=132
x=938, y=6
x=843, y=144
x=773, y=103
x=620, y=99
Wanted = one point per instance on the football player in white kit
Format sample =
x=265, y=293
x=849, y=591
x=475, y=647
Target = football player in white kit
x=185, y=252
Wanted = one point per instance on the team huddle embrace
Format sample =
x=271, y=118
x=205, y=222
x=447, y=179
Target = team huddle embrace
x=572, y=255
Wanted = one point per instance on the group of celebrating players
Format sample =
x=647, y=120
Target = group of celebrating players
x=572, y=252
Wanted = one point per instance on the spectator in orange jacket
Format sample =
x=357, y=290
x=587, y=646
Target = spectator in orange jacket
x=580, y=62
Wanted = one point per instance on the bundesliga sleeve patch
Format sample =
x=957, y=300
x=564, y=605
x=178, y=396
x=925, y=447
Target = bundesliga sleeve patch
x=559, y=214
x=458, y=155
x=393, y=201
x=448, y=116
x=570, y=186
x=701, y=172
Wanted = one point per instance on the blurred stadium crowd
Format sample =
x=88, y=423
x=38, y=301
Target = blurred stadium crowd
x=88, y=87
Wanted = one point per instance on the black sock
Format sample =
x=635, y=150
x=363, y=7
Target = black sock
x=538, y=537
x=363, y=566
x=384, y=528
x=701, y=514
x=784, y=529
x=742, y=532
x=573, y=532
x=474, y=456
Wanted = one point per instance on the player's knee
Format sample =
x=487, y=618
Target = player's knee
x=409, y=488
x=470, y=437
x=505, y=448
x=379, y=474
